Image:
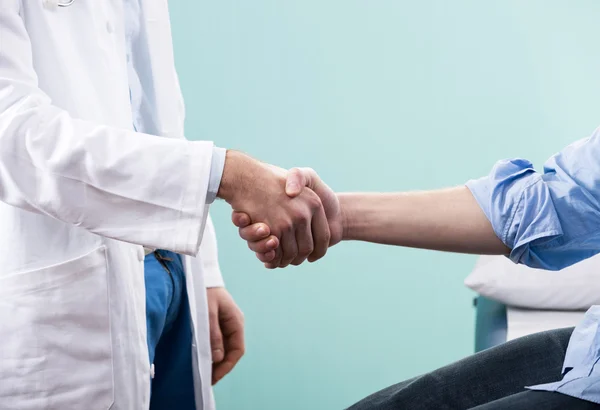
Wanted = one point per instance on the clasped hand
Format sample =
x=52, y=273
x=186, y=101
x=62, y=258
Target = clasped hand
x=283, y=222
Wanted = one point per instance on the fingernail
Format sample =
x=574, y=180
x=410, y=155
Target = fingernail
x=271, y=243
x=292, y=187
x=261, y=231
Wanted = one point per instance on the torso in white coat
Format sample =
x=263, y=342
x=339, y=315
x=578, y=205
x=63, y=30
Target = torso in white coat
x=80, y=194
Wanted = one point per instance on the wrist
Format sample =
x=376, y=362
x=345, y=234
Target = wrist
x=346, y=213
x=232, y=175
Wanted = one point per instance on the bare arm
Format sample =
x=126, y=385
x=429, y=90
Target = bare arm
x=445, y=220
x=546, y=220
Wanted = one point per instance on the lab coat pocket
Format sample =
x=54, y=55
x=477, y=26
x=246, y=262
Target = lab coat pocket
x=55, y=340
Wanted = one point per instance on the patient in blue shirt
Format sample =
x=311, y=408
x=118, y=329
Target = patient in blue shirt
x=546, y=220
x=549, y=220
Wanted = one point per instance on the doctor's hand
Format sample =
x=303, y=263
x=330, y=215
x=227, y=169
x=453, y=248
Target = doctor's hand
x=297, y=222
x=257, y=234
x=226, y=332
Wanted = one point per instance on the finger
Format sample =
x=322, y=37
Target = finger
x=234, y=347
x=266, y=245
x=240, y=219
x=320, y=234
x=304, y=239
x=222, y=369
x=295, y=183
x=255, y=232
x=289, y=248
x=266, y=257
x=216, y=338
x=274, y=263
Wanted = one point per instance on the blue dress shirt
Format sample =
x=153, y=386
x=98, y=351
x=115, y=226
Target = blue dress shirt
x=551, y=220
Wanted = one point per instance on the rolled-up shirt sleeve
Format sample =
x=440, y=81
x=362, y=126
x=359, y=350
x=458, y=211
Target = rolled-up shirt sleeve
x=549, y=220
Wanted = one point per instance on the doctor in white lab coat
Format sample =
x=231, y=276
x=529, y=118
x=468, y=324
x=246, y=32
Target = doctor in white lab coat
x=84, y=187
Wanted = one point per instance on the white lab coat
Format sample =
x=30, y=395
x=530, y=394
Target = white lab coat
x=80, y=194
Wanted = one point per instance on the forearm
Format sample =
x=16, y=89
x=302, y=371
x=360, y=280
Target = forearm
x=445, y=220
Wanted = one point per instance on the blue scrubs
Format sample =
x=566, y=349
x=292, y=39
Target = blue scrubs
x=169, y=332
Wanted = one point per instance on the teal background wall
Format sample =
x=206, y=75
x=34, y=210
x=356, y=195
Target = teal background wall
x=381, y=95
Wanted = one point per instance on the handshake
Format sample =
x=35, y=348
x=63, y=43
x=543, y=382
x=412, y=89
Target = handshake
x=289, y=217
x=283, y=222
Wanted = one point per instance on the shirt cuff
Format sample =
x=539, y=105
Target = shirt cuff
x=216, y=173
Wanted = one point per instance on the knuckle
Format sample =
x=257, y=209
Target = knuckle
x=314, y=202
x=306, y=249
x=301, y=217
x=287, y=226
x=309, y=172
x=297, y=214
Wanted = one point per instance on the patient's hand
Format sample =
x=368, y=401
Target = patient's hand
x=258, y=235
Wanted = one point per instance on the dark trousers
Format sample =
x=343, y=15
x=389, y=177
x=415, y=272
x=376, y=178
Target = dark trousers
x=490, y=380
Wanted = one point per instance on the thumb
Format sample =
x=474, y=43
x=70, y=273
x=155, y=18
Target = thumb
x=216, y=339
x=297, y=179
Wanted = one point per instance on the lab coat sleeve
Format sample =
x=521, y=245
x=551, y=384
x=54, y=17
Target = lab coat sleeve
x=549, y=220
x=210, y=257
x=113, y=182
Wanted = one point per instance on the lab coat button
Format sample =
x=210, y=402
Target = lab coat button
x=140, y=254
x=109, y=27
x=152, y=371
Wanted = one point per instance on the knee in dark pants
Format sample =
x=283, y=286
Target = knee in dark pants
x=425, y=392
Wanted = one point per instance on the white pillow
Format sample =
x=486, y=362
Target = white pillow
x=574, y=288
